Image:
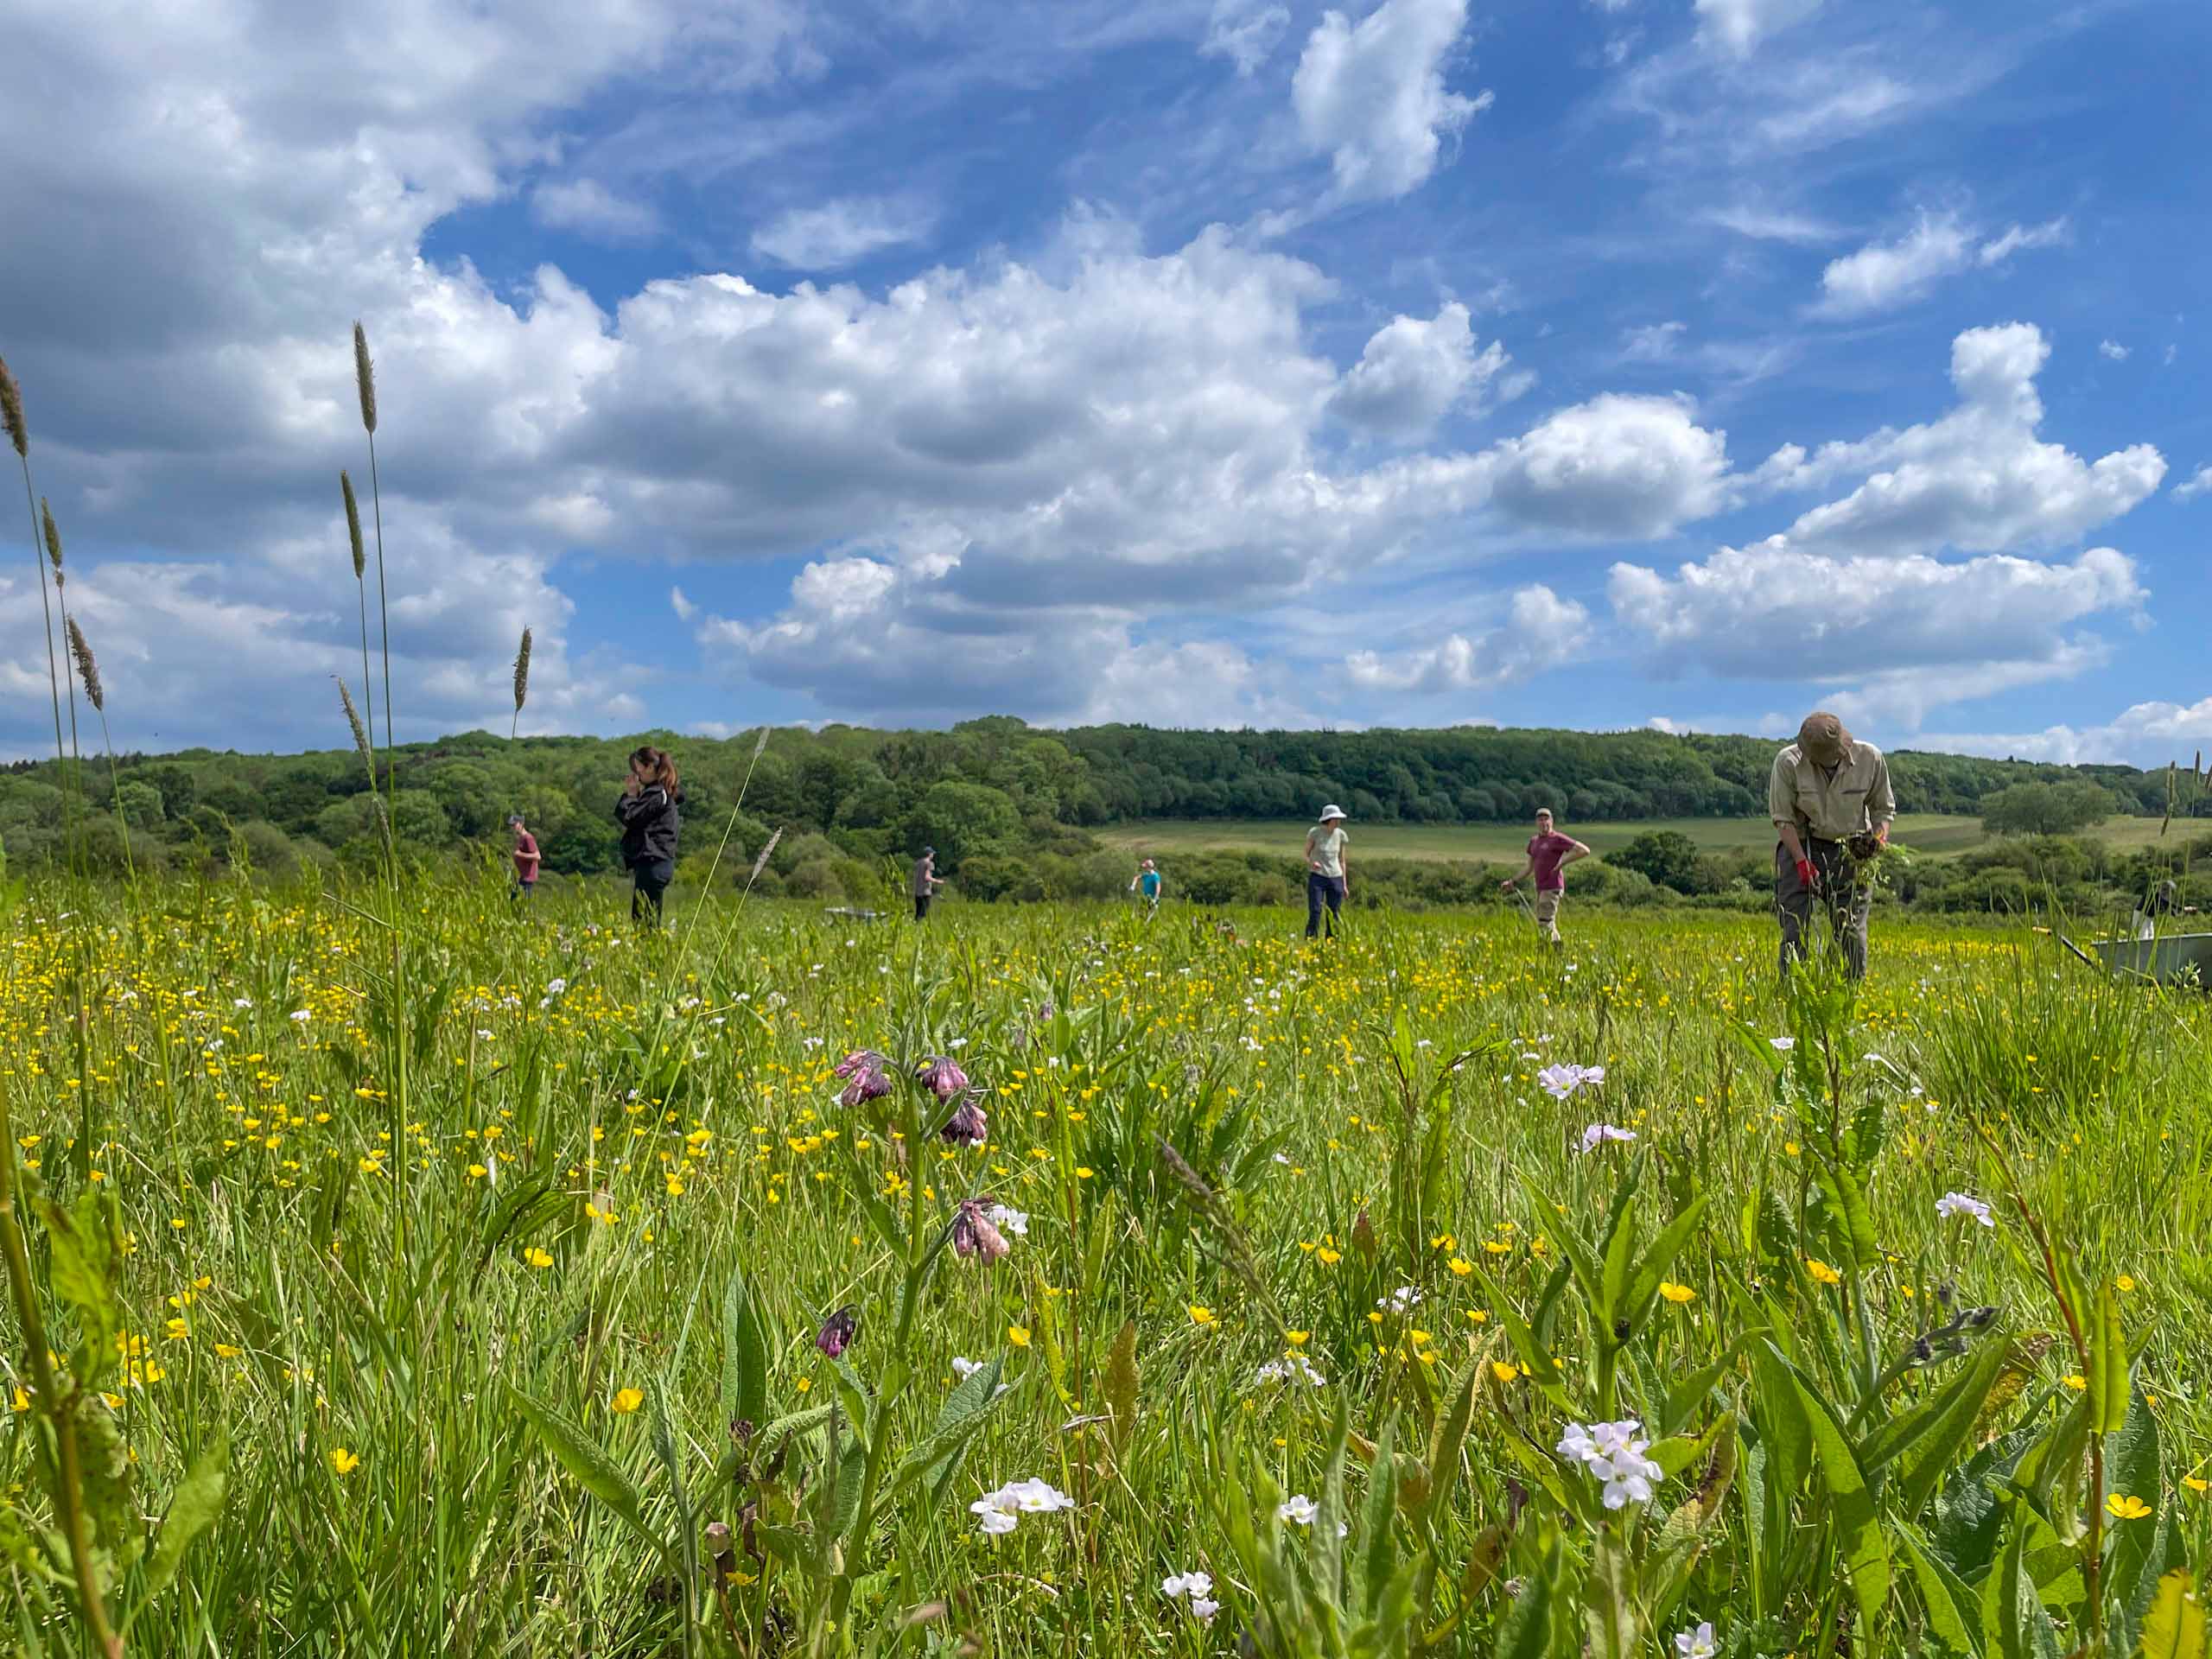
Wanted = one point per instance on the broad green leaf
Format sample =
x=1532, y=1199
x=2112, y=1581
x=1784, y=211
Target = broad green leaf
x=1382, y=1555
x=195, y=1504
x=1331, y=1516
x=1644, y=1284
x=1924, y=1442
x=1445, y=1443
x=580, y=1455
x=1954, y=1612
x=1675, y=1551
x=1860, y=1539
x=1846, y=1195
x=668, y=1448
x=1525, y=1632
x=1608, y=1603
x=1121, y=1384
x=745, y=1353
x=2012, y=1618
x=2108, y=1377
x=1617, y=1247
x=2174, y=1628
x=959, y=1419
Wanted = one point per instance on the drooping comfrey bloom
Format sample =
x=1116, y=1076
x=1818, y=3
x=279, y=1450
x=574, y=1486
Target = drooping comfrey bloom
x=973, y=1233
x=941, y=1077
x=866, y=1078
x=839, y=1331
x=967, y=1125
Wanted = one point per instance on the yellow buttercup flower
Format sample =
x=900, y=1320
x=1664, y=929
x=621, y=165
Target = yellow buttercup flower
x=2127, y=1509
x=1675, y=1292
x=1821, y=1271
x=1202, y=1316
x=626, y=1400
x=344, y=1462
x=1018, y=1335
x=537, y=1257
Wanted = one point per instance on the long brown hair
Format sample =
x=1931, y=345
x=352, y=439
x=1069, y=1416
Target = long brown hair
x=657, y=763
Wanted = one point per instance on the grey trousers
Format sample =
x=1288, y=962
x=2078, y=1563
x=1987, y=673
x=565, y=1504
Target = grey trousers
x=1845, y=899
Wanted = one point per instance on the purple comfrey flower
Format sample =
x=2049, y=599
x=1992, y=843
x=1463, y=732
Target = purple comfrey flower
x=839, y=1331
x=975, y=1234
x=941, y=1077
x=867, y=1081
x=967, y=1125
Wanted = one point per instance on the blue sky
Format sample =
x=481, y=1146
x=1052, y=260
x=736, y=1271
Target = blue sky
x=1196, y=362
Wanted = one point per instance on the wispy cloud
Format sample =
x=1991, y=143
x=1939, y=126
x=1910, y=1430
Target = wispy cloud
x=842, y=232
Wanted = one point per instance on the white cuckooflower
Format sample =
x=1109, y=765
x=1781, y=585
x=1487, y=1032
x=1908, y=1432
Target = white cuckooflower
x=1597, y=1134
x=1299, y=1510
x=1696, y=1643
x=1781, y=1045
x=1013, y=1222
x=1960, y=1203
x=1204, y=1607
x=965, y=1369
x=1186, y=1584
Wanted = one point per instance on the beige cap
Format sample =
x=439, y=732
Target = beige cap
x=1823, y=738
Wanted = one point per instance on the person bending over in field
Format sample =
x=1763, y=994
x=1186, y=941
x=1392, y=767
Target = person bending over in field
x=1328, y=872
x=525, y=856
x=1829, y=797
x=647, y=812
x=1549, y=853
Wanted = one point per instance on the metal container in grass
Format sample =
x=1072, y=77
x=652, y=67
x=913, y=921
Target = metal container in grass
x=2176, y=958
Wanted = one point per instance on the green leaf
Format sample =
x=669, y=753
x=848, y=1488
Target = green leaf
x=1525, y=1631
x=668, y=1448
x=1680, y=1451
x=1445, y=1442
x=959, y=1419
x=2174, y=1628
x=1382, y=1555
x=1846, y=1196
x=1617, y=1246
x=86, y=1243
x=1924, y=1441
x=2012, y=1612
x=194, y=1504
x=1608, y=1606
x=1954, y=1612
x=582, y=1458
x=745, y=1353
x=1644, y=1284
x=1331, y=1513
x=1121, y=1384
x=1860, y=1539
x=2108, y=1377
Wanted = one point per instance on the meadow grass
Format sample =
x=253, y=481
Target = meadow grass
x=1294, y=1238
x=1924, y=832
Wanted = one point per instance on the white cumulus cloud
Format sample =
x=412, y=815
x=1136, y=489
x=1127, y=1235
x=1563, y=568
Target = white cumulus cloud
x=1413, y=371
x=843, y=232
x=1541, y=631
x=1371, y=96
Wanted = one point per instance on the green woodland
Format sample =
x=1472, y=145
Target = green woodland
x=1028, y=815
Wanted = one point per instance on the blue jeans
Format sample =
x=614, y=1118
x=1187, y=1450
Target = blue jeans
x=1319, y=890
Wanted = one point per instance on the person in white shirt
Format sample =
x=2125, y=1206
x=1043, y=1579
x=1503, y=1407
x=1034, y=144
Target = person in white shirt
x=1328, y=874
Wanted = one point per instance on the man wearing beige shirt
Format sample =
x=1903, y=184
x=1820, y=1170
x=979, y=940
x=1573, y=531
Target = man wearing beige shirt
x=1829, y=797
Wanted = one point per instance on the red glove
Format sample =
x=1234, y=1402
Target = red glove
x=1805, y=874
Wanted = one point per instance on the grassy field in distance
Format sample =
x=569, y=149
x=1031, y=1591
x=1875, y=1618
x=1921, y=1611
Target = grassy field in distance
x=1925, y=832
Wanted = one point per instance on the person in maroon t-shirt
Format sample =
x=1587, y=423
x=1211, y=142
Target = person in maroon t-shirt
x=525, y=856
x=1549, y=853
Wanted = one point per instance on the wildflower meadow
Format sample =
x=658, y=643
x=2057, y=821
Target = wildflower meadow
x=401, y=1271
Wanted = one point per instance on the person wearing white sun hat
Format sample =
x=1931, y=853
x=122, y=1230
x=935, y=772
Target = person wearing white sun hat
x=1328, y=875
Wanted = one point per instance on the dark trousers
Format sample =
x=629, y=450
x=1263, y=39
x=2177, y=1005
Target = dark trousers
x=921, y=906
x=1841, y=893
x=649, y=882
x=1320, y=890
x=523, y=890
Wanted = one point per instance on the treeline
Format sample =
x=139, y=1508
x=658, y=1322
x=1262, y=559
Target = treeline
x=1006, y=806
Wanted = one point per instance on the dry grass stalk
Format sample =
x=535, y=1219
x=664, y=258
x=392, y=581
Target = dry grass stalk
x=88, y=671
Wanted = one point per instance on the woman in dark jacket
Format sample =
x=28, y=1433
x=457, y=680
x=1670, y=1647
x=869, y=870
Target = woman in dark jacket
x=647, y=812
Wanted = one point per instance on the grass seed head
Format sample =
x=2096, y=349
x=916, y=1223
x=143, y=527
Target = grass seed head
x=522, y=671
x=761, y=862
x=352, y=526
x=88, y=671
x=365, y=378
x=11, y=411
x=53, y=538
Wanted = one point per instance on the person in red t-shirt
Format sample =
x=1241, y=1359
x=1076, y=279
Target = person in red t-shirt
x=1549, y=853
x=525, y=856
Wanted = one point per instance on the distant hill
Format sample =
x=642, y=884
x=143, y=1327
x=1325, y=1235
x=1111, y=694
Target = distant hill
x=993, y=786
